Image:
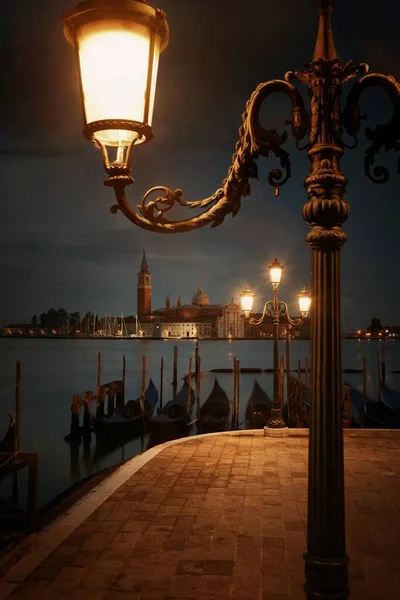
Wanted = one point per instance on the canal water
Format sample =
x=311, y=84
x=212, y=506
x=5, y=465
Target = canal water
x=54, y=370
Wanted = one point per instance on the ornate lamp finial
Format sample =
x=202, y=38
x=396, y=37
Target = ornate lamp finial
x=324, y=46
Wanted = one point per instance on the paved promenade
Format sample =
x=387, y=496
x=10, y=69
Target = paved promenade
x=219, y=517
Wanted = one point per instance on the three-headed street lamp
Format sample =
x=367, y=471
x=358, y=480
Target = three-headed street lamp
x=276, y=309
x=118, y=99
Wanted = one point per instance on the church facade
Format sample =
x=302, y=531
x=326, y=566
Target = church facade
x=198, y=319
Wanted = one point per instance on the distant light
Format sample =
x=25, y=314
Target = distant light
x=304, y=302
x=275, y=272
x=246, y=301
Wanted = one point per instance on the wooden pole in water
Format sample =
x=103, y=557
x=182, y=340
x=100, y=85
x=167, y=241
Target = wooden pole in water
x=298, y=370
x=75, y=410
x=365, y=385
x=17, y=428
x=98, y=380
x=306, y=369
x=237, y=393
x=17, y=407
x=233, y=396
x=123, y=378
x=175, y=369
x=87, y=416
x=87, y=410
x=112, y=391
x=198, y=388
x=161, y=382
x=383, y=364
x=142, y=399
x=196, y=354
x=189, y=389
x=379, y=377
x=100, y=403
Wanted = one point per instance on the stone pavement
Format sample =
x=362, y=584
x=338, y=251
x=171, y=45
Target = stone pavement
x=223, y=517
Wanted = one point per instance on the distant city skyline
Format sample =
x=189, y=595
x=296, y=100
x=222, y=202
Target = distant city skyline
x=60, y=246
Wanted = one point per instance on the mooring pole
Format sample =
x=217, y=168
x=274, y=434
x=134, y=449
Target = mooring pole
x=17, y=429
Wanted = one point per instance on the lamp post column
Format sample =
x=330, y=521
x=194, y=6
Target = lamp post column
x=276, y=426
x=326, y=562
x=277, y=409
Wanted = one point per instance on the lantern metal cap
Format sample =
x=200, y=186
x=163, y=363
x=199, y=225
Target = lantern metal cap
x=276, y=265
x=247, y=290
x=97, y=10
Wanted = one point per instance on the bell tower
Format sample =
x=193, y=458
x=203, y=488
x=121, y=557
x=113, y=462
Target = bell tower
x=144, y=288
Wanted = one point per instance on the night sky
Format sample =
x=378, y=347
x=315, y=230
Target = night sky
x=61, y=247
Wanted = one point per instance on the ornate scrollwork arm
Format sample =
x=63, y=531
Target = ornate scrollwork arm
x=264, y=140
x=387, y=136
x=254, y=141
x=276, y=310
x=268, y=309
x=283, y=311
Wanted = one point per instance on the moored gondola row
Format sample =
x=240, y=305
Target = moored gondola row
x=184, y=414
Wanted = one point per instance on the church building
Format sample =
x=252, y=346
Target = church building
x=198, y=319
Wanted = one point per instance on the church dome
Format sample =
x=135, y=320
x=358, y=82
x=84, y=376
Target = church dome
x=200, y=299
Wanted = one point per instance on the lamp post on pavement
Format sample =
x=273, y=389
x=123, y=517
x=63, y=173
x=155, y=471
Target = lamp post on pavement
x=118, y=100
x=276, y=426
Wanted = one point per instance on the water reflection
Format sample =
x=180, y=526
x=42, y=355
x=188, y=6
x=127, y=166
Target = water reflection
x=54, y=370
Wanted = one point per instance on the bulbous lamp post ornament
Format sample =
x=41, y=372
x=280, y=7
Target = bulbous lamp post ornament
x=276, y=426
x=118, y=98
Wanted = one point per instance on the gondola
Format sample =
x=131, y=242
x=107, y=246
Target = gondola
x=7, y=443
x=214, y=413
x=258, y=408
x=378, y=415
x=128, y=421
x=177, y=412
x=390, y=397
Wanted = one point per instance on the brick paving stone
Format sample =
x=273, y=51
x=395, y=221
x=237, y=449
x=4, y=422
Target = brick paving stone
x=28, y=589
x=121, y=595
x=98, y=580
x=133, y=582
x=225, y=517
x=83, y=558
x=88, y=594
x=190, y=567
x=184, y=586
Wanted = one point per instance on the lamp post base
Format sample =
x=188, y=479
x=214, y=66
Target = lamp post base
x=276, y=432
x=276, y=426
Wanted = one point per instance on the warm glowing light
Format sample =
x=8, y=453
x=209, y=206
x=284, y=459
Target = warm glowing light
x=114, y=58
x=246, y=301
x=304, y=302
x=275, y=273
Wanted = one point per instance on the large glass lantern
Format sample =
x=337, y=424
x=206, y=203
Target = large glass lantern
x=246, y=301
x=118, y=43
x=304, y=302
x=275, y=273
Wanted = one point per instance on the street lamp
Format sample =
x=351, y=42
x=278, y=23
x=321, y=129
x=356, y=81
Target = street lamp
x=246, y=301
x=275, y=308
x=122, y=119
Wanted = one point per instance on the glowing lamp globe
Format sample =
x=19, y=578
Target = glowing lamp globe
x=246, y=301
x=275, y=273
x=117, y=43
x=304, y=302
